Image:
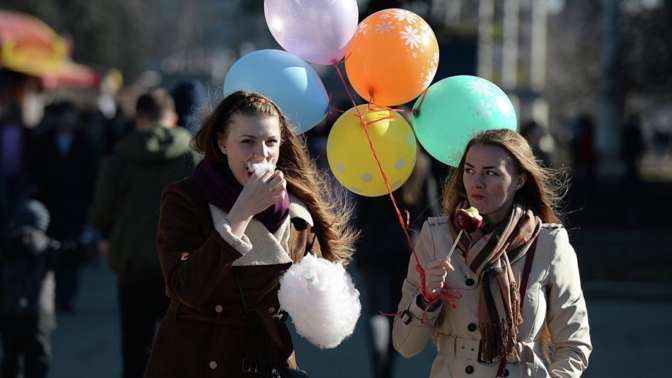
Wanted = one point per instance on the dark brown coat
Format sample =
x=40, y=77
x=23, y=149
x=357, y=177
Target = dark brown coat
x=203, y=332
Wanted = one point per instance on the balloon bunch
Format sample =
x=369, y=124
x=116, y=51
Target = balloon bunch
x=317, y=31
x=390, y=58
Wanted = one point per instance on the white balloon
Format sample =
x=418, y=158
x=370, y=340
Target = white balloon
x=316, y=30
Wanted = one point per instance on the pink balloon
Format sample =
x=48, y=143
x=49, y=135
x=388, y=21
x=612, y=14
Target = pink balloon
x=316, y=30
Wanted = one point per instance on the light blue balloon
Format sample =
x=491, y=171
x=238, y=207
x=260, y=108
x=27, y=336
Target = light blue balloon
x=286, y=79
x=457, y=108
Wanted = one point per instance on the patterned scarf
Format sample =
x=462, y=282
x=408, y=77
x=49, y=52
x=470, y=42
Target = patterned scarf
x=490, y=258
x=222, y=189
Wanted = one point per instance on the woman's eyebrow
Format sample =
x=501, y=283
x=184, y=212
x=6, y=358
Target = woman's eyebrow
x=486, y=167
x=259, y=136
x=472, y=166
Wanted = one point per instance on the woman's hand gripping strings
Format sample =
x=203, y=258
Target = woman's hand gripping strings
x=435, y=282
x=437, y=271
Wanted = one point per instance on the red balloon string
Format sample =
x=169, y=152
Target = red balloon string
x=416, y=111
x=347, y=91
x=369, y=123
x=373, y=106
x=429, y=297
x=332, y=106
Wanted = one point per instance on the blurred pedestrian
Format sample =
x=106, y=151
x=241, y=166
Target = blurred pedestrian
x=253, y=206
x=126, y=213
x=27, y=258
x=541, y=141
x=633, y=147
x=316, y=142
x=16, y=92
x=64, y=172
x=584, y=154
x=383, y=254
x=190, y=99
x=521, y=312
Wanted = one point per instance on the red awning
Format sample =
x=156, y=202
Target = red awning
x=71, y=75
x=30, y=46
x=25, y=28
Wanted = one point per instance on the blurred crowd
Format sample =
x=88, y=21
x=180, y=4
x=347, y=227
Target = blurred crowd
x=54, y=219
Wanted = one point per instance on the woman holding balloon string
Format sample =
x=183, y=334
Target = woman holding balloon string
x=518, y=275
x=253, y=206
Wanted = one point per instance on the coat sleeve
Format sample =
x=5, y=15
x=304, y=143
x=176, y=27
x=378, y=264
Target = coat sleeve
x=567, y=314
x=106, y=196
x=192, y=267
x=413, y=327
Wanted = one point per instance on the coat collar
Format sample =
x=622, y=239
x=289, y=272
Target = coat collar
x=258, y=246
x=298, y=209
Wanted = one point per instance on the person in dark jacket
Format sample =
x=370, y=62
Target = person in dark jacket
x=65, y=172
x=189, y=97
x=16, y=92
x=383, y=260
x=126, y=213
x=27, y=259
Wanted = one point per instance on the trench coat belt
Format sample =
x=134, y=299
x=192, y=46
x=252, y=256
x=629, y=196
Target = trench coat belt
x=467, y=348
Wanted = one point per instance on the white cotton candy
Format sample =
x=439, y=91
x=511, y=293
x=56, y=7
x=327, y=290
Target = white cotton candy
x=321, y=299
x=260, y=168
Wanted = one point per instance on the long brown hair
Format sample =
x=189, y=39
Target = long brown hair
x=543, y=190
x=330, y=211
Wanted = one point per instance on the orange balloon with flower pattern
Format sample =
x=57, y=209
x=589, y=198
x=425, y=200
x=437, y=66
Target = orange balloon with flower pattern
x=392, y=57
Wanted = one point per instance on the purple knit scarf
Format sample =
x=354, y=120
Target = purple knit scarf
x=222, y=189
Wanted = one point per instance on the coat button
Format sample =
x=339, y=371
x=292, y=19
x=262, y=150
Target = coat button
x=271, y=310
x=219, y=309
x=469, y=369
x=470, y=282
x=472, y=327
x=213, y=365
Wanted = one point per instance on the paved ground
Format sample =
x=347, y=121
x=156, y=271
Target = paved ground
x=630, y=338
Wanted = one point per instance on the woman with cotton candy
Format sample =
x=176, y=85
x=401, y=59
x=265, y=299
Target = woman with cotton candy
x=253, y=208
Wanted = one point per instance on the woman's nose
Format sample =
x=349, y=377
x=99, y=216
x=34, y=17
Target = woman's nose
x=480, y=181
x=261, y=151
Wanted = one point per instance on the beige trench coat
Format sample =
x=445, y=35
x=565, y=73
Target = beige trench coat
x=554, y=294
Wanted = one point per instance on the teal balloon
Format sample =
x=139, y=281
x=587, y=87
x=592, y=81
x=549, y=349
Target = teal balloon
x=457, y=108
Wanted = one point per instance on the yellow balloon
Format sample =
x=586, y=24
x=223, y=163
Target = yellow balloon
x=351, y=159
